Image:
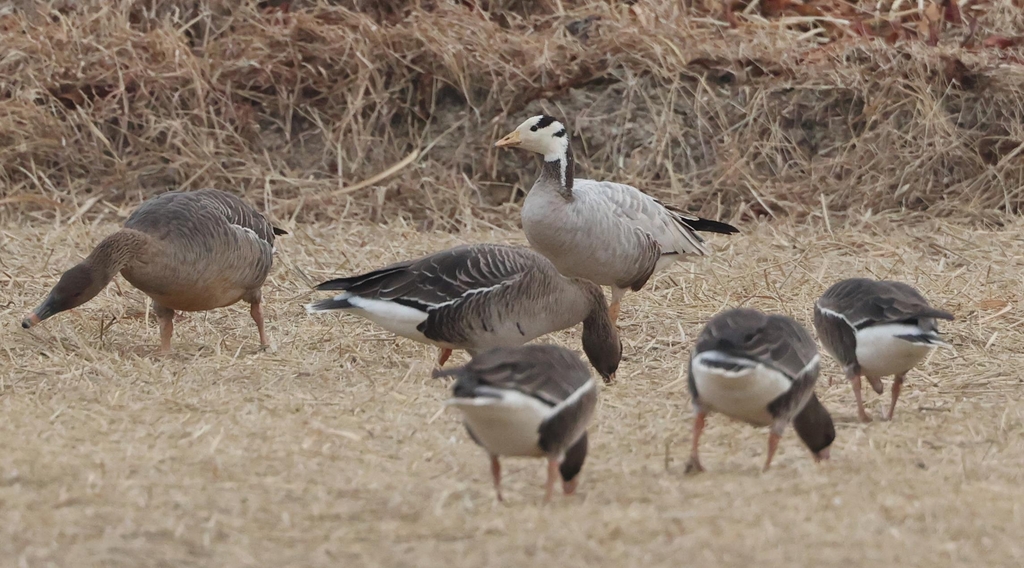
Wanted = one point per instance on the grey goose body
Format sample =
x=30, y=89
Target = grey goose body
x=477, y=297
x=760, y=369
x=609, y=233
x=528, y=401
x=189, y=251
x=877, y=328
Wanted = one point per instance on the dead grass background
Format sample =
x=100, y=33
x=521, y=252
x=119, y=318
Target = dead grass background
x=121, y=100
x=365, y=128
x=332, y=451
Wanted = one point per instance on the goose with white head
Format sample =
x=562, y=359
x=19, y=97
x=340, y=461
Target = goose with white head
x=877, y=328
x=609, y=233
x=760, y=369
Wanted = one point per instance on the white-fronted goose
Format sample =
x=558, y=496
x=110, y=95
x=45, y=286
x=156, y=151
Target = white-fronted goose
x=476, y=297
x=188, y=251
x=528, y=401
x=876, y=328
x=609, y=233
x=760, y=369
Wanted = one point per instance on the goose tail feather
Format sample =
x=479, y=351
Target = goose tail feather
x=329, y=304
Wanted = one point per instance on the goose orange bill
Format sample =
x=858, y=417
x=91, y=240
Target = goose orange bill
x=512, y=139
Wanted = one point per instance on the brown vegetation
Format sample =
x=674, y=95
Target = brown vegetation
x=334, y=115
x=778, y=107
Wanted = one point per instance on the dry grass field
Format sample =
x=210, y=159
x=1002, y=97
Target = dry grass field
x=843, y=137
x=334, y=451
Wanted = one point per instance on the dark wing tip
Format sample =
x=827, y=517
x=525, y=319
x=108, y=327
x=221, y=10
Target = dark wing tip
x=709, y=226
x=335, y=284
x=278, y=231
x=328, y=304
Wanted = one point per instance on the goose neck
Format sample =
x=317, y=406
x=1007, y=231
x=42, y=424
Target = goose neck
x=559, y=168
x=117, y=251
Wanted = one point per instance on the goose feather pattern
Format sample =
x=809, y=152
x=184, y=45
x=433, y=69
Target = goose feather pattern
x=476, y=297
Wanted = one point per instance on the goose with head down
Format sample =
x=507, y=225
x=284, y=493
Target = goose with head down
x=877, y=328
x=609, y=233
x=476, y=297
x=188, y=251
x=529, y=401
x=760, y=369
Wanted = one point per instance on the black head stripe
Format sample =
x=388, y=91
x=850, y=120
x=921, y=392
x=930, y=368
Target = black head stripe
x=559, y=134
x=544, y=122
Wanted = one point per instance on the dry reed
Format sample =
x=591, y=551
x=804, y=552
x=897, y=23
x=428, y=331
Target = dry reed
x=298, y=108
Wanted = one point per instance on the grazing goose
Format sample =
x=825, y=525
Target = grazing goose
x=876, y=328
x=609, y=233
x=760, y=369
x=528, y=401
x=476, y=297
x=188, y=251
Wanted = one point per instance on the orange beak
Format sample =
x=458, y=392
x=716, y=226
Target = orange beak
x=509, y=141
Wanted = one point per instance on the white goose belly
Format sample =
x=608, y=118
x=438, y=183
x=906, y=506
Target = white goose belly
x=881, y=353
x=506, y=426
x=744, y=394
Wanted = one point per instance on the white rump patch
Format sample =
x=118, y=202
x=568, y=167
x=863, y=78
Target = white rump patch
x=880, y=352
x=743, y=393
x=508, y=423
x=396, y=318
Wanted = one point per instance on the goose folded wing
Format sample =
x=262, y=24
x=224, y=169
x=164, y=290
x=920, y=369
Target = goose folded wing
x=636, y=207
x=883, y=303
x=237, y=212
x=774, y=341
x=442, y=279
x=546, y=372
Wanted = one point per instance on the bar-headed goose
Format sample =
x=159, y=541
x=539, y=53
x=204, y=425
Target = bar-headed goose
x=609, y=233
x=476, y=297
x=760, y=369
x=876, y=328
x=188, y=251
x=528, y=401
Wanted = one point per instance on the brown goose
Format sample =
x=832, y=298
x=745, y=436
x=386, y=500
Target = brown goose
x=760, y=369
x=609, y=233
x=877, y=328
x=476, y=297
x=529, y=401
x=188, y=251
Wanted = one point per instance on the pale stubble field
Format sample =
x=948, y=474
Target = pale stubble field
x=333, y=450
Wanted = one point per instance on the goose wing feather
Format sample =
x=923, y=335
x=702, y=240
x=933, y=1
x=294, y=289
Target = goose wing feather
x=630, y=205
x=442, y=279
x=546, y=372
x=190, y=215
x=554, y=375
x=775, y=341
x=863, y=302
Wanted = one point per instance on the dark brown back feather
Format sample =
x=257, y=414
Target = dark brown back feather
x=189, y=215
x=865, y=302
x=546, y=372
